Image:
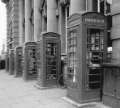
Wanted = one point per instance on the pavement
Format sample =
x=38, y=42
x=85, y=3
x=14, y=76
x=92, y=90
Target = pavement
x=17, y=93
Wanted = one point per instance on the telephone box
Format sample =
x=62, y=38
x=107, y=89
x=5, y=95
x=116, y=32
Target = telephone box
x=11, y=61
x=30, y=61
x=86, y=51
x=7, y=62
x=18, y=61
x=49, y=68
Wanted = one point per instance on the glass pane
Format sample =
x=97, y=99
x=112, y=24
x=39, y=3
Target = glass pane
x=94, y=55
x=32, y=61
x=51, y=60
x=72, y=46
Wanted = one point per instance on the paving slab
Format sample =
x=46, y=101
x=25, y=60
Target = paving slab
x=17, y=93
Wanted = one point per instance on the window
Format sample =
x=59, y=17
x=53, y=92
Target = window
x=72, y=58
x=51, y=60
x=95, y=49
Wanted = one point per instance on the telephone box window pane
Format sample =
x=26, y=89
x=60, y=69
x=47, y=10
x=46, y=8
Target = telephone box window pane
x=32, y=61
x=51, y=60
x=95, y=45
x=94, y=85
x=72, y=47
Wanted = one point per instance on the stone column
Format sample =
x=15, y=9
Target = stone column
x=37, y=20
x=62, y=28
x=116, y=30
x=92, y=5
x=44, y=24
x=21, y=22
x=28, y=21
x=52, y=23
x=98, y=5
x=76, y=6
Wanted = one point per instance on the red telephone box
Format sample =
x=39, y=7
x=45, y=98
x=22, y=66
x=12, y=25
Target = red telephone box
x=18, y=61
x=30, y=61
x=11, y=62
x=49, y=68
x=86, y=51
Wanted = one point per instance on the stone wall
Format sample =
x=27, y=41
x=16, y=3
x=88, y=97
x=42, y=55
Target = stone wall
x=15, y=22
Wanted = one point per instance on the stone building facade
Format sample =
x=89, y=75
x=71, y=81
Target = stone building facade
x=26, y=19
x=12, y=24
